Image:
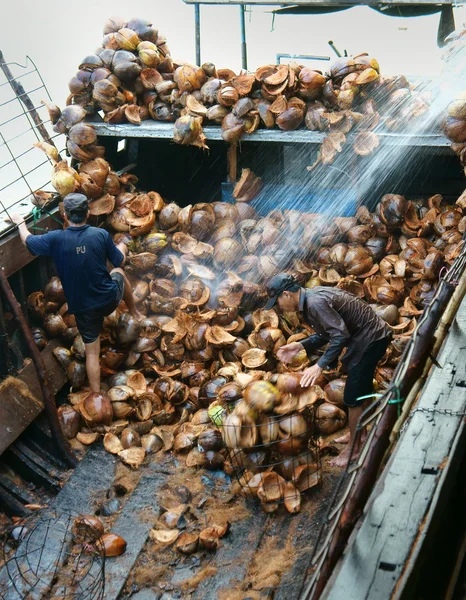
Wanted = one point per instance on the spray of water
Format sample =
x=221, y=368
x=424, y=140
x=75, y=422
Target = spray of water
x=338, y=189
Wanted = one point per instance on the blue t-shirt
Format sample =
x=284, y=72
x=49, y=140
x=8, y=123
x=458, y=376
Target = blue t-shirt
x=80, y=255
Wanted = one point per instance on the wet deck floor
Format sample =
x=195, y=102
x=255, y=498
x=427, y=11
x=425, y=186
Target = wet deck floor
x=262, y=557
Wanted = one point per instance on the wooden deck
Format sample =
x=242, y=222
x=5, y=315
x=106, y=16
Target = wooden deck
x=414, y=494
x=230, y=564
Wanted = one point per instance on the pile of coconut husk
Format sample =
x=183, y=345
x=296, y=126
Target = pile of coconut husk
x=199, y=375
x=132, y=77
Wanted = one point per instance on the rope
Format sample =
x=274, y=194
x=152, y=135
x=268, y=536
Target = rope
x=37, y=213
x=398, y=400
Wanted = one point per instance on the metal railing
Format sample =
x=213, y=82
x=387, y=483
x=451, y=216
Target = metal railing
x=24, y=121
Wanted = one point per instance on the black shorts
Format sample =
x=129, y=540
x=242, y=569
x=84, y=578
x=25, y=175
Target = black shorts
x=89, y=323
x=360, y=377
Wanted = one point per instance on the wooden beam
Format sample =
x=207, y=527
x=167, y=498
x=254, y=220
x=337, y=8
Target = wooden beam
x=159, y=130
x=410, y=496
x=13, y=253
x=313, y=3
x=18, y=411
x=232, y=159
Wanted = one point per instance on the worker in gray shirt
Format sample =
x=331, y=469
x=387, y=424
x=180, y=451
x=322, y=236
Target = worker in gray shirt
x=340, y=320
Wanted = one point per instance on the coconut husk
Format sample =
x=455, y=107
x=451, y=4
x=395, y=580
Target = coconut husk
x=306, y=477
x=87, y=438
x=280, y=75
x=178, y=326
x=217, y=336
x=202, y=272
x=247, y=187
x=365, y=143
x=137, y=382
x=102, y=206
x=272, y=488
x=142, y=205
x=253, y=358
x=166, y=436
x=195, y=108
x=133, y=457
x=112, y=444
x=243, y=84
x=141, y=225
x=292, y=498
x=164, y=536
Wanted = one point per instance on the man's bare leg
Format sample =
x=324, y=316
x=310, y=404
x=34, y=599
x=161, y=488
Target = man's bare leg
x=93, y=364
x=346, y=438
x=343, y=439
x=353, y=417
x=128, y=296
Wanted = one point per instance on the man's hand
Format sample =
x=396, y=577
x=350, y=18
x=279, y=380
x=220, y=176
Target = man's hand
x=286, y=353
x=311, y=375
x=16, y=218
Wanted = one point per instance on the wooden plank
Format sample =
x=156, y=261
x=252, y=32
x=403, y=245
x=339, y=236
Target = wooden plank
x=378, y=562
x=13, y=253
x=233, y=559
x=134, y=523
x=158, y=130
x=304, y=534
x=17, y=411
x=232, y=163
x=94, y=472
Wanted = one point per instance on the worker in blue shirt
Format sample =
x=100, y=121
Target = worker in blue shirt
x=80, y=253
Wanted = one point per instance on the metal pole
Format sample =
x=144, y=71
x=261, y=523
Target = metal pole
x=197, y=25
x=47, y=394
x=244, y=48
x=25, y=101
x=334, y=48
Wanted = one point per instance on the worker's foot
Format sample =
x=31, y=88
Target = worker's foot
x=341, y=460
x=343, y=439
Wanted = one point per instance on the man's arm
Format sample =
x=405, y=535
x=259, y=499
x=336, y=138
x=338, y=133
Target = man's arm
x=314, y=342
x=124, y=250
x=38, y=245
x=23, y=231
x=115, y=254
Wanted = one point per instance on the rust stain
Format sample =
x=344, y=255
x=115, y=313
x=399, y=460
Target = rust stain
x=444, y=463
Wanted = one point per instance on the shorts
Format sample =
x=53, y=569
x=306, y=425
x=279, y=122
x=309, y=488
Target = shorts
x=90, y=323
x=361, y=376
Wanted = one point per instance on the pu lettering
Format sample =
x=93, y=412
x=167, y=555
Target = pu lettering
x=80, y=249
